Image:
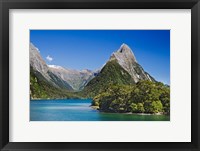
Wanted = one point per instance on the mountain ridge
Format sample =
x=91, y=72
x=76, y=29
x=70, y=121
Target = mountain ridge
x=121, y=68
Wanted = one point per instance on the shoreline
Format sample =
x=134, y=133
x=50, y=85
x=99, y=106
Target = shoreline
x=43, y=99
x=128, y=113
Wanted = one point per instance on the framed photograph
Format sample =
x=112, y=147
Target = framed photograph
x=99, y=75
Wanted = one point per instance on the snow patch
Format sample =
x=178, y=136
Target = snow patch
x=55, y=66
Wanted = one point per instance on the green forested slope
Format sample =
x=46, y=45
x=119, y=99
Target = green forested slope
x=112, y=73
x=40, y=88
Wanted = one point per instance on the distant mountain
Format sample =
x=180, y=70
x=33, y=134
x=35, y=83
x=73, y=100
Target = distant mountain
x=76, y=79
x=122, y=68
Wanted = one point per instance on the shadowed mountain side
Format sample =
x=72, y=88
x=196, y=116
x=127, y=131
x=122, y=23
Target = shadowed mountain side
x=111, y=73
x=40, y=88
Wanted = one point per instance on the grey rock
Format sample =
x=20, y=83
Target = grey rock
x=127, y=60
x=37, y=62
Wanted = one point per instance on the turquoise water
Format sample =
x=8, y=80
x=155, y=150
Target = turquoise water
x=80, y=110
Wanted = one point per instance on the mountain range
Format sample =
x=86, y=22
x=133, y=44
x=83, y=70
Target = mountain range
x=52, y=81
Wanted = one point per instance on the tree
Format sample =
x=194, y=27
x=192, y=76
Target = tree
x=140, y=108
x=156, y=106
x=133, y=108
x=165, y=99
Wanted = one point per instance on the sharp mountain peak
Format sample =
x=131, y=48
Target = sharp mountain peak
x=127, y=60
x=124, y=47
x=124, y=53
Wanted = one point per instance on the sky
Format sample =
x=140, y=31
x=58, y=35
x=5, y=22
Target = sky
x=91, y=49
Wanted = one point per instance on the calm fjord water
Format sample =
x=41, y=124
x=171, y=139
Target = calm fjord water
x=80, y=110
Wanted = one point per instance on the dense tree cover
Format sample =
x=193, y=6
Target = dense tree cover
x=143, y=97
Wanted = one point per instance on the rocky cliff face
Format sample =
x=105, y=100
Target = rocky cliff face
x=37, y=62
x=127, y=60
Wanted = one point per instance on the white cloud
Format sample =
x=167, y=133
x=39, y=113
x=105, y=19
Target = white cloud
x=49, y=58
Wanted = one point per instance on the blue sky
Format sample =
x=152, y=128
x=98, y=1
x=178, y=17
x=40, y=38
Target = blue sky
x=90, y=49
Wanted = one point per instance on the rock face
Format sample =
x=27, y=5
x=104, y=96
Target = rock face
x=76, y=79
x=127, y=60
x=36, y=61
